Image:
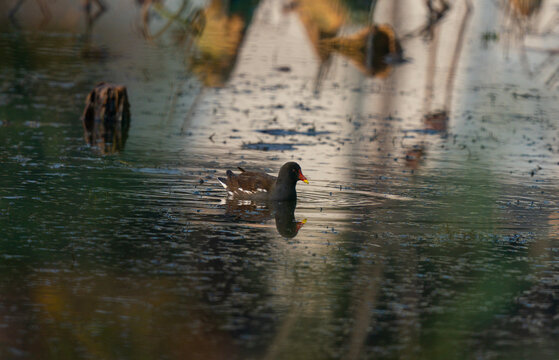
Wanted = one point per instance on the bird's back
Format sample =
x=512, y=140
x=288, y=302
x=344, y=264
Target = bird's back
x=248, y=183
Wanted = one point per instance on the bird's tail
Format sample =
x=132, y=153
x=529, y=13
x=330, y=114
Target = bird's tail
x=222, y=181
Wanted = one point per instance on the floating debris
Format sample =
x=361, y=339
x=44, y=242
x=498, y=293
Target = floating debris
x=271, y=147
x=283, y=132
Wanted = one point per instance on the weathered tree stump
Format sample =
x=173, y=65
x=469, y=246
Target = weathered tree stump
x=106, y=117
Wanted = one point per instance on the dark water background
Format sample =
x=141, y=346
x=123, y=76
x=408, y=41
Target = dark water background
x=432, y=212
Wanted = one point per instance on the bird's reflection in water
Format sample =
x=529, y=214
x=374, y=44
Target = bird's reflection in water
x=282, y=211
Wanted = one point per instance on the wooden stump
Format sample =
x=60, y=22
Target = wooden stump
x=106, y=117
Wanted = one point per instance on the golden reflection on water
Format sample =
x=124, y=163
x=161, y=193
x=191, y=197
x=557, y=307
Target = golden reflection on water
x=115, y=318
x=524, y=8
x=381, y=40
x=217, y=45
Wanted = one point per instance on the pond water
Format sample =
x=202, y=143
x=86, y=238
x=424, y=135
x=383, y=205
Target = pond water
x=429, y=228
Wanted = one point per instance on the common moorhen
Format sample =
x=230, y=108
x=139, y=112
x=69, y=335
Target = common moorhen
x=258, y=185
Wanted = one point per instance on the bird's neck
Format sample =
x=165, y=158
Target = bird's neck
x=284, y=191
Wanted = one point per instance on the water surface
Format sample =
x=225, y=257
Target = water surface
x=430, y=220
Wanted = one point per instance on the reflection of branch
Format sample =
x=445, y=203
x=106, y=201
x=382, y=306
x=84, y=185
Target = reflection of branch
x=282, y=335
x=372, y=8
x=551, y=24
x=370, y=48
x=192, y=109
x=456, y=57
x=91, y=18
x=171, y=17
x=321, y=74
x=519, y=15
x=524, y=8
x=364, y=303
x=548, y=61
x=430, y=73
x=47, y=15
x=464, y=146
x=553, y=78
x=173, y=101
x=434, y=18
x=15, y=9
x=553, y=51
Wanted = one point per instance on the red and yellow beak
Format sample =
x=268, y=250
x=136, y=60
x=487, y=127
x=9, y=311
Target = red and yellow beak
x=300, y=224
x=303, y=178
